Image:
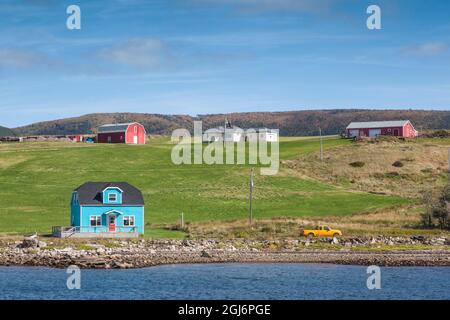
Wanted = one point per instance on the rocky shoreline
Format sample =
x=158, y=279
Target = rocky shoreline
x=145, y=253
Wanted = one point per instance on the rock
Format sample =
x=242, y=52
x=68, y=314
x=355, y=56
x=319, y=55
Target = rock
x=42, y=244
x=186, y=243
x=100, y=250
x=123, y=265
x=438, y=241
x=205, y=254
x=29, y=242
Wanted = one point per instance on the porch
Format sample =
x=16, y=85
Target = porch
x=94, y=232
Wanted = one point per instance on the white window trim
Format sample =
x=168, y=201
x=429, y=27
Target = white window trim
x=98, y=221
x=129, y=225
x=115, y=197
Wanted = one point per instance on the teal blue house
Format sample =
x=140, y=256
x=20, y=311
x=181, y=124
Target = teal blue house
x=105, y=209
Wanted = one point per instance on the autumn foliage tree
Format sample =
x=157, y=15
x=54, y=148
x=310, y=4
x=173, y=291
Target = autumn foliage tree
x=437, y=211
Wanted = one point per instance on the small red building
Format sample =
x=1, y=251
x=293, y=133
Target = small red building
x=76, y=138
x=130, y=133
x=402, y=128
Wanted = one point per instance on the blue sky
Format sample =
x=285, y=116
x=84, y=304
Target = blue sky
x=218, y=56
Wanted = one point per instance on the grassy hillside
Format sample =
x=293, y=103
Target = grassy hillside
x=291, y=123
x=406, y=169
x=37, y=179
x=5, y=132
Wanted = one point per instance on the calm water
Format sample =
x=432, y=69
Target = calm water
x=227, y=281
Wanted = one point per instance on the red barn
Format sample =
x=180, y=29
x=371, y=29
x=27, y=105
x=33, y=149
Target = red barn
x=131, y=133
x=402, y=128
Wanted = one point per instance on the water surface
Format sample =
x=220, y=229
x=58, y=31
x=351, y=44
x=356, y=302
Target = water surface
x=228, y=281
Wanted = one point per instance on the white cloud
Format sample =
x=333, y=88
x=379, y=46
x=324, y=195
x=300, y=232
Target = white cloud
x=274, y=5
x=139, y=53
x=426, y=49
x=17, y=58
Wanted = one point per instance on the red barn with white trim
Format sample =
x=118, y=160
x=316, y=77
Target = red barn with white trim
x=401, y=128
x=130, y=133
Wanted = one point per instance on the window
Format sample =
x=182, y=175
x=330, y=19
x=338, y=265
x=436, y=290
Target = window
x=128, y=221
x=112, y=197
x=95, y=221
x=135, y=129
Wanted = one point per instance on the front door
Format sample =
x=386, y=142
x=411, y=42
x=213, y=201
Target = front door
x=135, y=139
x=112, y=223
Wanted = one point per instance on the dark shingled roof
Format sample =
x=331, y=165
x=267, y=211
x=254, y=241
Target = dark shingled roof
x=90, y=193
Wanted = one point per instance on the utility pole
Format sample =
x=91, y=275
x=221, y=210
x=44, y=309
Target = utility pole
x=321, y=144
x=449, y=165
x=251, y=196
x=182, y=220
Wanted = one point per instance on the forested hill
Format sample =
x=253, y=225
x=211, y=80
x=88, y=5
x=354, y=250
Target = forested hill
x=5, y=132
x=290, y=123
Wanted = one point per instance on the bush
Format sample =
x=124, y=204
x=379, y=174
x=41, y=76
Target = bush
x=393, y=174
x=357, y=164
x=437, y=210
x=398, y=164
x=437, y=134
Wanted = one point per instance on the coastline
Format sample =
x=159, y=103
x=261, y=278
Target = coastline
x=146, y=253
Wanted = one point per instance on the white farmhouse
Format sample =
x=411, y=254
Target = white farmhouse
x=268, y=135
x=233, y=134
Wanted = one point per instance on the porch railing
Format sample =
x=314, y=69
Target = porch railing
x=59, y=231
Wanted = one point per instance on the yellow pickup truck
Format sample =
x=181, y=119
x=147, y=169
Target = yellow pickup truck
x=322, y=231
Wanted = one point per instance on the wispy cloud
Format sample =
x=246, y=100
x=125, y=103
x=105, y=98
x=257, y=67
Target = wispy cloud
x=38, y=2
x=426, y=49
x=139, y=53
x=273, y=5
x=17, y=58
x=263, y=39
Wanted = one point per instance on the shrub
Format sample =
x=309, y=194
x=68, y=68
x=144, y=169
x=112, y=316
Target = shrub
x=437, y=209
x=357, y=164
x=393, y=174
x=398, y=164
x=438, y=134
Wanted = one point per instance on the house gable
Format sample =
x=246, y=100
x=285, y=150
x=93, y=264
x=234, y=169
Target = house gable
x=112, y=195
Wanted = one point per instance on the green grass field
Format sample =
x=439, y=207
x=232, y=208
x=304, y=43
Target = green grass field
x=36, y=181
